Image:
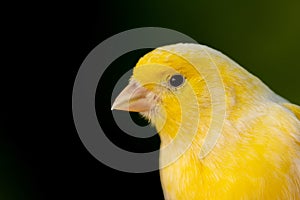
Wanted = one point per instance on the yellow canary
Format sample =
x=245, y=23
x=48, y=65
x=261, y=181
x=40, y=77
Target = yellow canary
x=224, y=134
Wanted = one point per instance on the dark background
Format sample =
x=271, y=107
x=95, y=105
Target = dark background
x=41, y=155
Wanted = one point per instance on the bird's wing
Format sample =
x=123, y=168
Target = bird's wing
x=296, y=111
x=293, y=108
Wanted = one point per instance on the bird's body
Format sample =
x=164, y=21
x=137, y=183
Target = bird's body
x=256, y=154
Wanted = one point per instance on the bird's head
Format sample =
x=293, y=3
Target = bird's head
x=181, y=87
x=169, y=87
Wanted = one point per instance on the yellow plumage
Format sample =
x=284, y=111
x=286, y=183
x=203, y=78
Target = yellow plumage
x=257, y=149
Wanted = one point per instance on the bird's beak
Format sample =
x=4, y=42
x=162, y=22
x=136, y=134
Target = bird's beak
x=134, y=98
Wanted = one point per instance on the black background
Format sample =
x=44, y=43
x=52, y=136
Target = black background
x=41, y=152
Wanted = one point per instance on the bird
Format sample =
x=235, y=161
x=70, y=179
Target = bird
x=224, y=133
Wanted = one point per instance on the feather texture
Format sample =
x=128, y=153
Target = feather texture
x=257, y=152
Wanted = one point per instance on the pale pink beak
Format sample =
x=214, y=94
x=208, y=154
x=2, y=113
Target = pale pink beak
x=134, y=98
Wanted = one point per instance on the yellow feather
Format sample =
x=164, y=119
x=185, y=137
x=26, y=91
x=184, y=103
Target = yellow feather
x=257, y=155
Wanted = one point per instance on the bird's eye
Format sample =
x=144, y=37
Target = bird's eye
x=176, y=80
